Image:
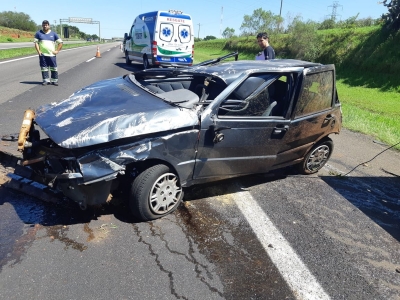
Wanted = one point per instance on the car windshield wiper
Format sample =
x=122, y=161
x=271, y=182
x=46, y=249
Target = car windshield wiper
x=217, y=60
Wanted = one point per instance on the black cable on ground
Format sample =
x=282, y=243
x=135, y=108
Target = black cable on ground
x=370, y=159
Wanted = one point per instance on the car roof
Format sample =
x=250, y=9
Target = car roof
x=229, y=71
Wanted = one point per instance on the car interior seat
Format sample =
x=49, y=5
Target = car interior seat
x=181, y=97
x=272, y=101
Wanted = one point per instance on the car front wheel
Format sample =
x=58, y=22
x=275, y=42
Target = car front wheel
x=317, y=157
x=155, y=193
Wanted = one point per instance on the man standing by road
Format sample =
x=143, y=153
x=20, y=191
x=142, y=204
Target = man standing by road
x=267, y=51
x=45, y=41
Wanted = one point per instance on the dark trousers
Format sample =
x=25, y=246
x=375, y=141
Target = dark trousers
x=48, y=63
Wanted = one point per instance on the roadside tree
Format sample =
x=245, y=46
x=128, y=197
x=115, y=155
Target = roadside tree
x=303, y=41
x=392, y=17
x=228, y=32
x=209, y=37
x=260, y=21
x=16, y=20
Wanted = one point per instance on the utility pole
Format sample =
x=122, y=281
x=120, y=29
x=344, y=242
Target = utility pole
x=280, y=16
x=55, y=25
x=222, y=16
x=198, y=34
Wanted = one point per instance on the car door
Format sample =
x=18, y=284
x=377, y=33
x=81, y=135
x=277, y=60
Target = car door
x=240, y=136
x=314, y=114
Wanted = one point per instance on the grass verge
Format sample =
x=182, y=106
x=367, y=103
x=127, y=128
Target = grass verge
x=17, y=52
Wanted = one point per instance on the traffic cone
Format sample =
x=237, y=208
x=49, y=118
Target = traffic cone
x=98, y=52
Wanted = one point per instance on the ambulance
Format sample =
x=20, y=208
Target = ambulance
x=160, y=39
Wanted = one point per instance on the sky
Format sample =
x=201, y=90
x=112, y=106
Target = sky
x=210, y=17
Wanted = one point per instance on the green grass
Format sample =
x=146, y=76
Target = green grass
x=6, y=39
x=371, y=111
x=17, y=52
x=207, y=53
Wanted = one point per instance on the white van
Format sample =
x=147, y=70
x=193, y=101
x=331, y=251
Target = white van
x=160, y=38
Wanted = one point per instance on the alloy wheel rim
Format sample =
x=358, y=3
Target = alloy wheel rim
x=318, y=158
x=165, y=194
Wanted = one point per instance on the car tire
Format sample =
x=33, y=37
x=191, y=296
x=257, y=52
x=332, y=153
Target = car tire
x=145, y=62
x=317, y=157
x=127, y=60
x=155, y=193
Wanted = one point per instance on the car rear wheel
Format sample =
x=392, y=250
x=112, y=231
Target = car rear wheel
x=317, y=157
x=155, y=193
x=127, y=60
x=145, y=62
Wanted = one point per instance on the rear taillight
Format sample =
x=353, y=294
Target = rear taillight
x=154, y=49
x=192, y=55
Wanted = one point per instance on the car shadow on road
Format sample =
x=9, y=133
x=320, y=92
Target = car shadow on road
x=132, y=68
x=31, y=82
x=66, y=212
x=376, y=197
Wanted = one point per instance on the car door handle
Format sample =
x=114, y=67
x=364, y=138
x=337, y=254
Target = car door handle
x=279, y=130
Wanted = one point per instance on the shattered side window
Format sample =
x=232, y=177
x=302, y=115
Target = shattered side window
x=263, y=96
x=316, y=95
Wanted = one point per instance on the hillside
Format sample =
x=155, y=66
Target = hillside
x=15, y=35
x=356, y=49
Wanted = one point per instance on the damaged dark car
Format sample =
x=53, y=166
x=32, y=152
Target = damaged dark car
x=154, y=132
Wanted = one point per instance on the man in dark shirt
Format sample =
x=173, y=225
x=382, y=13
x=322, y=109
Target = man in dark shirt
x=267, y=51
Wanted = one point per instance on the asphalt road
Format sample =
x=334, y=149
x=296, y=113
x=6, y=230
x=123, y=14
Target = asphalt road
x=270, y=236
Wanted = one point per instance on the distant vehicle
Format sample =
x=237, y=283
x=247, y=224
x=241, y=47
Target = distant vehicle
x=160, y=38
x=153, y=132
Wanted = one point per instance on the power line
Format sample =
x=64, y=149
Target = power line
x=334, y=6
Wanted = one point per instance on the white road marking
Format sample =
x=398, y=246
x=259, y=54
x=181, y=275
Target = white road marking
x=303, y=284
x=4, y=62
x=90, y=59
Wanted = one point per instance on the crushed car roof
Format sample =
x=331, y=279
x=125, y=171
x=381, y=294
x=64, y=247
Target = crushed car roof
x=228, y=71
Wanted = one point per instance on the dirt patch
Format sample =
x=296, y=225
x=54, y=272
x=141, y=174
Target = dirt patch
x=15, y=33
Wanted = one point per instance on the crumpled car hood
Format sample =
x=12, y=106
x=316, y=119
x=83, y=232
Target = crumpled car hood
x=109, y=110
